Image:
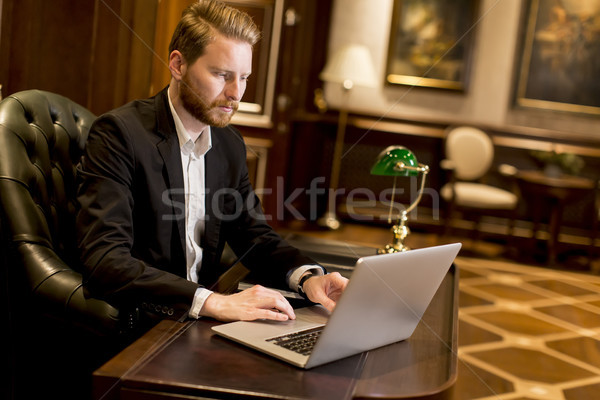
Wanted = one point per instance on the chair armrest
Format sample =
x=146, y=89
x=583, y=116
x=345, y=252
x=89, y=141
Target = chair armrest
x=447, y=165
x=57, y=290
x=507, y=170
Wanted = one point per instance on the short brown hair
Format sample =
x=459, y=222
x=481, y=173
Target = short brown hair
x=201, y=20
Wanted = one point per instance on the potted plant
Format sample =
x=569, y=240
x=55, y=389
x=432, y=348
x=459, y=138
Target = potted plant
x=556, y=164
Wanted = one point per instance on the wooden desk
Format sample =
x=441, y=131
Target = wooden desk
x=555, y=191
x=186, y=360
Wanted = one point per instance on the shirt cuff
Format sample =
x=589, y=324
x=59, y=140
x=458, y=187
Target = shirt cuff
x=199, y=298
x=298, y=272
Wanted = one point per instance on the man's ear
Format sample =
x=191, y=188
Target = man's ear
x=176, y=64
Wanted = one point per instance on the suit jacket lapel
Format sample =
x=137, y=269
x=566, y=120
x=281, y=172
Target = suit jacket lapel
x=214, y=182
x=168, y=149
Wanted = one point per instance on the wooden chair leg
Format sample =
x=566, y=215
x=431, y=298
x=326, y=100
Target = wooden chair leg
x=592, y=252
x=511, y=247
x=447, y=230
x=477, y=232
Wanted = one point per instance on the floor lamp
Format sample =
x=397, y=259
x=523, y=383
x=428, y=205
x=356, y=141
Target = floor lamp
x=350, y=66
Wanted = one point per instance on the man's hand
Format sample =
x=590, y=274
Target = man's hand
x=257, y=302
x=325, y=289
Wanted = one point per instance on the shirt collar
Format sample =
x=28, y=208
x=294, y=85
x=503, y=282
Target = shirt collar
x=202, y=145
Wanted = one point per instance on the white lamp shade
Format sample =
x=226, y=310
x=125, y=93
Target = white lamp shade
x=351, y=63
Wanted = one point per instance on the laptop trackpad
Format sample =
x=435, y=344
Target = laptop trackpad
x=306, y=318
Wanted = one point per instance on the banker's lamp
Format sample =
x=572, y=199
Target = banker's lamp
x=350, y=66
x=399, y=161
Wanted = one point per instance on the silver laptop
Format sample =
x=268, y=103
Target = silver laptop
x=383, y=303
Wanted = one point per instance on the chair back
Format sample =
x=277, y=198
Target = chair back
x=471, y=152
x=42, y=136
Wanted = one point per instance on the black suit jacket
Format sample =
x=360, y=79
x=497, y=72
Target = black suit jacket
x=132, y=218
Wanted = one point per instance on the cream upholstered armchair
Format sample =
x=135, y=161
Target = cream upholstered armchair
x=469, y=159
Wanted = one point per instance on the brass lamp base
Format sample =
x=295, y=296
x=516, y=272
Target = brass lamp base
x=329, y=221
x=390, y=249
x=400, y=232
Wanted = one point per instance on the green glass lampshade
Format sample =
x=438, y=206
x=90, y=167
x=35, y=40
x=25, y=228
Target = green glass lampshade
x=389, y=162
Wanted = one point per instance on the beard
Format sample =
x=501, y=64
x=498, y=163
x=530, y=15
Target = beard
x=206, y=112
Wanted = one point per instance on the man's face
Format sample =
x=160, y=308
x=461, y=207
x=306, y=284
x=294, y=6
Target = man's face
x=211, y=87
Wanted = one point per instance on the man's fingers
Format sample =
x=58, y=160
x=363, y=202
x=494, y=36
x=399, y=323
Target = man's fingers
x=326, y=289
x=338, y=281
x=328, y=303
x=251, y=304
x=274, y=308
x=269, y=299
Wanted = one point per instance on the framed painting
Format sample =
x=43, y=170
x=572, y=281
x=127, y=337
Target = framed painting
x=431, y=43
x=560, y=60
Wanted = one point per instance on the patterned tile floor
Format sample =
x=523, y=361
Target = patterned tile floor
x=527, y=332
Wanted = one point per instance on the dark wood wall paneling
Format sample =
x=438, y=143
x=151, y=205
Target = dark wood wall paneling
x=122, y=52
x=85, y=50
x=46, y=47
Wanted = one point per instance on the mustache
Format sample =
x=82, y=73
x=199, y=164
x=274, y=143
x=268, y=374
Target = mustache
x=232, y=104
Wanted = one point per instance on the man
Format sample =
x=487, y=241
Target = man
x=164, y=185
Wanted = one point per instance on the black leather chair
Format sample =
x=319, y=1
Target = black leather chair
x=42, y=136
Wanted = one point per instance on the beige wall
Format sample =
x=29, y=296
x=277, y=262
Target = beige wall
x=488, y=99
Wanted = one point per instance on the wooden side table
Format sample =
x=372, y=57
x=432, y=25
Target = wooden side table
x=555, y=191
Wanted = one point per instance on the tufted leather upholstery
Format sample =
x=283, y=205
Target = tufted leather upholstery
x=42, y=136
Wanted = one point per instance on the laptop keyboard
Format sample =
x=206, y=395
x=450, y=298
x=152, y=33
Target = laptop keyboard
x=301, y=342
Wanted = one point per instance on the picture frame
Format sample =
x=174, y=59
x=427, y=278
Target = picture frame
x=431, y=43
x=257, y=107
x=560, y=57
